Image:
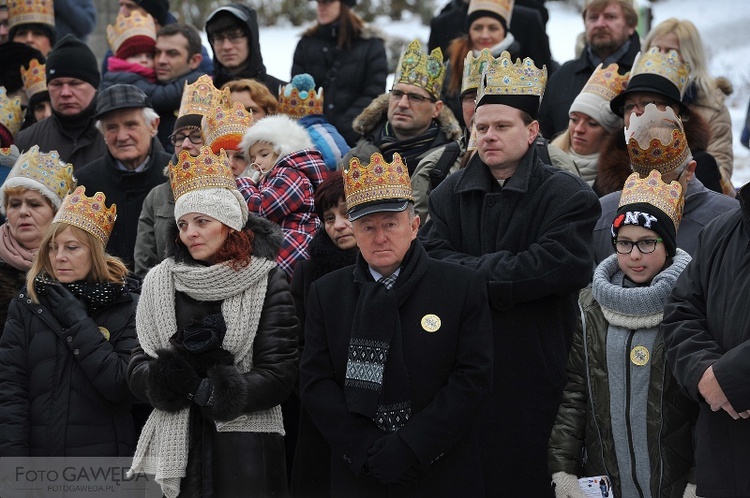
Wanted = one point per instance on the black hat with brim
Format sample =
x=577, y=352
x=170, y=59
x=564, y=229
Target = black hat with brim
x=386, y=206
x=649, y=83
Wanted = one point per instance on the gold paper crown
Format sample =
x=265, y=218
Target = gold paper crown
x=652, y=190
x=473, y=69
x=504, y=77
x=88, y=213
x=206, y=170
x=667, y=66
x=136, y=24
x=202, y=97
x=503, y=8
x=606, y=82
x=30, y=12
x=54, y=176
x=417, y=68
x=225, y=127
x=300, y=104
x=656, y=141
x=11, y=114
x=377, y=181
x=34, y=78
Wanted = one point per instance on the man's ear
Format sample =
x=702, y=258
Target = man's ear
x=195, y=61
x=438, y=108
x=533, y=131
x=688, y=173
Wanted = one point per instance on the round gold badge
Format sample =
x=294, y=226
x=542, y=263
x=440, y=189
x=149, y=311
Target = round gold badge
x=104, y=332
x=431, y=323
x=639, y=355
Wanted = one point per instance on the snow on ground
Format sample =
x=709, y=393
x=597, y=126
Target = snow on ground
x=723, y=25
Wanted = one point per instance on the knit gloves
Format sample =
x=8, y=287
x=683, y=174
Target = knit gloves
x=392, y=461
x=566, y=486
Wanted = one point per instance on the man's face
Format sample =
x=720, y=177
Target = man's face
x=636, y=102
x=70, y=96
x=409, y=118
x=171, y=57
x=385, y=238
x=128, y=136
x=3, y=25
x=502, y=137
x=128, y=6
x=607, y=29
x=231, y=47
x=33, y=37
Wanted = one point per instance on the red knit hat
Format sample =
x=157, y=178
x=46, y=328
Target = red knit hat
x=135, y=45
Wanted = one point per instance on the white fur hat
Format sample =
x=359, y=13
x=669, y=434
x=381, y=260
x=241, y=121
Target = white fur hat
x=285, y=134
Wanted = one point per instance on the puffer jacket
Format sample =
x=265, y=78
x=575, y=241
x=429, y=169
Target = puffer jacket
x=582, y=440
x=63, y=392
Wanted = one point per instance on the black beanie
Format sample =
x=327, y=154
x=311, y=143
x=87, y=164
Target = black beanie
x=157, y=8
x=71, y=58
x=646, y=215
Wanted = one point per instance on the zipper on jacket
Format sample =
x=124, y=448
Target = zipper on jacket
x=628, y=426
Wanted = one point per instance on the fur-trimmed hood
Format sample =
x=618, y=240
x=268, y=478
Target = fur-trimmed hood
x=377, y=113
x=266, y=241
x=285, y=134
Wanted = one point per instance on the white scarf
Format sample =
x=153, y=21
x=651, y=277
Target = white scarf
x=588, y=165
x=163, y=445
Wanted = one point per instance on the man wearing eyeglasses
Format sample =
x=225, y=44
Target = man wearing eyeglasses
x=409, y=119
x=233, y=33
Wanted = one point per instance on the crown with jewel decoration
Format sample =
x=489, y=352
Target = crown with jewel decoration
x=418, y=68
x=668, y=198
x=668, y=66
x=656, y=141
x=202, y=97
x=504, y=77
x=34, y=78
x=88, y=213
x=225, y=127
x=606, y=82
x=378, y=181
x=206, y=170
x=473, y=69
x=503, y=8
x=299, y=98
x=31, y=12
x=11, y=114
x=136, y=24
x=42, y=171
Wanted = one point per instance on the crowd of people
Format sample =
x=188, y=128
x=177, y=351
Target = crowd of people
x=501, y=276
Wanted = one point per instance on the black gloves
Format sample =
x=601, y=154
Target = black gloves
x=67, y=308
x=173, y=383
x=392, y=461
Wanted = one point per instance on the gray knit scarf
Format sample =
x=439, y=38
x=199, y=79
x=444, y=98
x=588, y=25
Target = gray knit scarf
x=163, y=445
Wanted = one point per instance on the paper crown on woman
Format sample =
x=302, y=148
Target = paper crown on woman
x=205, y=184
x=604, y=84
x=11, y=114
x=659, y=73
x=299, y=98
x=377, y=186
x=656, y=140
x=132, y=35
x=31, y=12
x=517, y=84
x=41, y=171
x=34, y=78
x=502, y=10
x=199, y=99
x=88, y=213
x=420, y=69
x=225, y=126
x=473, y=69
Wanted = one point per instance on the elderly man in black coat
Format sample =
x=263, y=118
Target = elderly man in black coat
x=526, y=226
x=397, y=358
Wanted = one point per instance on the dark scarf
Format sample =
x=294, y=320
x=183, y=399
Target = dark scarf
x=377, y=381
x=411, y=149
x=95, y=295
x=74, y=126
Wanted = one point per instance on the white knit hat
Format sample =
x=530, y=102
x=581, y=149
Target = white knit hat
x=284, y=134
x=597, y=107
x=223, y=204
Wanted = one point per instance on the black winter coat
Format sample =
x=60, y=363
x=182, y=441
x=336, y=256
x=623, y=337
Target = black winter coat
x=127, y=189
x=707, y=323
x=63, y=392
x=531, y=241
x=11, y=281
x=351, y=78
x=567, y=82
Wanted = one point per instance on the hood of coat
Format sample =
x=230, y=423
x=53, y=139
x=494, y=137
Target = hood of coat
x=266, y=241
x=377, y=113
x=254, y=63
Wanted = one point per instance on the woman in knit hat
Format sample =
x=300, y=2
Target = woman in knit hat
x=622, y=407
x=67, y=341
x=218, y=344
x=29, y=198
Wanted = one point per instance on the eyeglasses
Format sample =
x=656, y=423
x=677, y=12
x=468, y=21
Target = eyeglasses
x=645, y=246
x=413, y=98
x=195, y=137
x=641, y=106
x=234, y=37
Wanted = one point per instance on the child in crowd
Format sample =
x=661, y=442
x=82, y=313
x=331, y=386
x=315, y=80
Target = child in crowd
x=133, y=41
x=289, y=170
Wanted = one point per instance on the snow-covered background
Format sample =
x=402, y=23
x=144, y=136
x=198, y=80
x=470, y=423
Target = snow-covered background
x=724, y=26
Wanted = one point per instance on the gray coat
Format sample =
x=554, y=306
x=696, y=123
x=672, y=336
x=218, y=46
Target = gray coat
x=157, y=215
